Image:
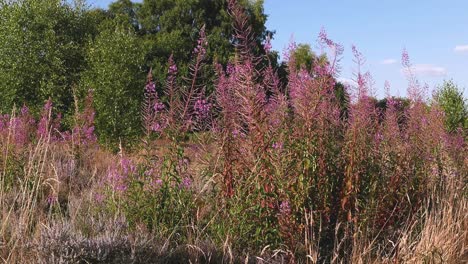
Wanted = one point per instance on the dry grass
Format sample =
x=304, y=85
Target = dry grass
x=31, y=232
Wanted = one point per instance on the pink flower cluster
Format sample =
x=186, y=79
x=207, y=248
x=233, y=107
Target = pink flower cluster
x=202, y=109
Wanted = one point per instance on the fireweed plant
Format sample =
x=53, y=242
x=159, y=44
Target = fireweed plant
x=157, y=191
x=312, y=171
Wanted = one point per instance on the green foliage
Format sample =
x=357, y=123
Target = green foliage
x=171, y=27
x=41, y=51
x=161, y=198
x=116, y=75
x=450, y=99
x=342, y=97
x=49, y=46
x=306, y=58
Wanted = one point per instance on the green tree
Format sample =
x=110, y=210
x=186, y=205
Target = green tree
x=42, y=47
x=128, y=9
x=450, y=99
x=306, y=58
x=115, y=73
x=172, y=26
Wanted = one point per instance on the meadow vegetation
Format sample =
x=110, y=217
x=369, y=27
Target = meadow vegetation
x=240, y=160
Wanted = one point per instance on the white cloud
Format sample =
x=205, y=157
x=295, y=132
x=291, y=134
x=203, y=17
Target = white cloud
x=426, y=70
x=461, y=48
x=388, y=61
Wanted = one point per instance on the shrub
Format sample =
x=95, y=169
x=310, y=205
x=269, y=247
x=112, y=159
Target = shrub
x=42, y=51
x=450, y=98
x=116, y=76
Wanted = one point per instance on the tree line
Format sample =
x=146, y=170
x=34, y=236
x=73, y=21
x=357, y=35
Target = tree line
x=61, y=50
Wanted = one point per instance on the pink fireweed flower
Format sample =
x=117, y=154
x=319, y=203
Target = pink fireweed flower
x=285, y=208
x=415, y=91
x=21, y=126
x=335, y=49
x=378, y=137
x=323, y=37
x=99, y=197
x=121, y=188
x=202, y=108
x=405, y=59
x=4, y=120
x=289, y=51
x=44, y=122
x=149, y=172
x=230, y=69
x=117, y=176
x=267, y=46
x=156, y=127
x=156, y=183
x=128, y=167
x=47, y=124
x=52, y=199
x=186, y=183
x=158, y=107
x=277, y=145
x=182, y=165
x=238, y=133
x=387, y=88
x=150, y=88
x=83, y=132
x=202, y=43
x=172, y=69
x=153, y=110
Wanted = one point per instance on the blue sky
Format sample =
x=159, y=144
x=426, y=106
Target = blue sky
x=430, y=30
x=435, y=33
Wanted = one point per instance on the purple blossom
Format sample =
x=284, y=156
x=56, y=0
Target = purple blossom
x=287, y=53
x=378, y=137
x=230, y=69
x=202, y=108
x=52, y=199
x=157, y=182
x=128, y=167
x=202, y=43
x=156, y=127
x=99, y=197
x=186, y=183
x=44, y=122
x=21, y=126
x=387, y=88
x=150, y=88
x=237, y=133
x=285, y=208
x=117, y=178
x=149, y=172
x=4, y=121
x=153, y=110
x=405, y=59
x=121, y=187
x=172, y=71
x=323, y=37
x=83, y=132
x=158, y=107
x=267, y=46
x=277, y=145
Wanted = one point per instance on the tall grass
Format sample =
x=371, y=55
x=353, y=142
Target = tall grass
x=255, y=172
